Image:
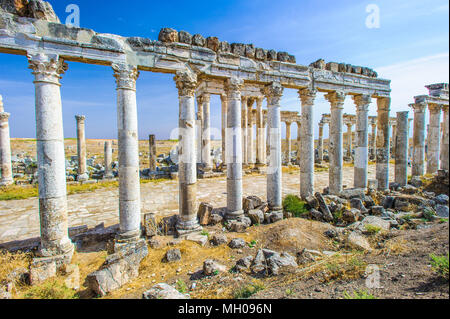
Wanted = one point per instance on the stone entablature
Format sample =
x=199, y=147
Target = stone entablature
x=20, y=35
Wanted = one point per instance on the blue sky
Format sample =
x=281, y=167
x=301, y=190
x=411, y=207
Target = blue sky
x=411, y=48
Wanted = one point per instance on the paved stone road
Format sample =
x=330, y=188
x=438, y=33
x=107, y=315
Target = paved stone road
x=20, y=219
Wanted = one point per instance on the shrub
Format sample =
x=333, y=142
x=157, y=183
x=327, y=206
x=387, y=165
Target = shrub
x=248, y=291
x=294, y=205
x=428, y=214
x=51, y=290
x=372, y=229
x=181, y=286
x=361, y=294
x=440, y=265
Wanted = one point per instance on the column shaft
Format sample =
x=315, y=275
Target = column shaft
x=152, y=152
x=383, y=141
x=335, y=149
x=259, y=133
x=362, y=139
x=234, y=149
x=50, y=154
x=244, y=129
x=5, y=148
x=320, y=143
x=223, y=99
x=81, y=148
x=401, y=149
x=306, y=162
x=273, y=93
x=108, y=160
x=434, y=139
x=127, y=125
x=288, y=143
x=250, y=141
x=373, y=140
x=206, y=135
x=418, y=160
x=445, y=141
x=349, y=141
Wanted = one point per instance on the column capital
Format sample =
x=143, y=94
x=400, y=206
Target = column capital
x=419, y=107
x=259, y=101
x=186, y=82
x=362, y=101
x=223, y=97
x=384, y=104
x=233, y=87
x=126, y=76
x=273, y=92
x=435, y=108
x=204, y=98
x=307, y=96
x=4, y=116
x=336, y=98
x=80, y=118
x=288, y=123
x=47, y=68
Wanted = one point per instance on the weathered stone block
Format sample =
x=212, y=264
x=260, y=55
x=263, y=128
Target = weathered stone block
x=257, y=216
x=150, y=225
x=219, y=239
x=238, y=48
x=172, y=255
x=224, y=47
x=211, y=267
x=283, y=56
x=184, y=37
x=198, y=40
x=250, y=51
x=272, y=55
x=163, y=291
x=333, y=66
x=260, y=54
x=236, y=243
x=168, y=35
x=212, y=43
x=42, y=269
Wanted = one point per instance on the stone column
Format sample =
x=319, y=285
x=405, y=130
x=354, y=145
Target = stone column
x=418, y=138
x=47, y=70
x=152, y=152
x=337, y=100
x=108, y=161
x=206, y=135
x=349, y=140
x=320, y=143
x=223, y=99
x=273, y=93
x=127, y=125
x=434, y=138
x=244, y=129
x=234, y=149
x=383, y=141
x=259, y=133
x=299, y=137
x=362, y=139
x=307, y=97
x=373, y=139
x=199, y=130
x=394, y=137
x=187, y=222
x=81, y=147
x=5, y=148
x=401, y=149
x=288, y=143
x=250, y=142
x=445, y=141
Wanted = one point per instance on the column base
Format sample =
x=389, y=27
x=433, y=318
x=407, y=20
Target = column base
x=125, y=247
x=128, y=237
x=184, y=228
x=61, y=255
x=83, y=177
x=277, y=209
x=233, y=215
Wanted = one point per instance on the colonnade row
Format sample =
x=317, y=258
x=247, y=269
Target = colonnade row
x=48, y=70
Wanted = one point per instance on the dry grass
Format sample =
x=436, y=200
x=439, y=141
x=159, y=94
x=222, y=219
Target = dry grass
x=11, y=261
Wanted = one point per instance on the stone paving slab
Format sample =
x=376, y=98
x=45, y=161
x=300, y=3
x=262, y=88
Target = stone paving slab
x=19, y=219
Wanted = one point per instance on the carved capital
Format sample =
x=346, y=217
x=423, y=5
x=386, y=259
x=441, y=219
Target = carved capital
x=336, y=98
x=126, y=76
x=419, y=107
x=435, y=108
x=4, y=116
x=362, y=102
x=273, y=93
x=384, y=104
x=307, y=96
x=186, y=82
x=233, y=87
x=204, y=98
x=80, y=118
x=47, y=68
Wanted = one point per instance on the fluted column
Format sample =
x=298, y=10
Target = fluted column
x=445, y=141
x=81, y=148
x=223, y=99
x=299, y=137
x=401, y=149
x=5, y=148
x=265, y=141
x=187, y=222
x=250, y=141
x=234, y=149
x=418, y=159
x=362, y=103
x=394, y=136
x=349, y=140
x=199, y=130
x=273, y=93
x=337, y=100
x=259, y=133
x=320, y=143
x=127, y=125
x=244, y=129
x=307, y=97
x=152, y=152
x=288, y=143
x=434, y=138
x=206, y=134
x=383, y=143
x=373, y=140
x=108, y=160
x=47, y=70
